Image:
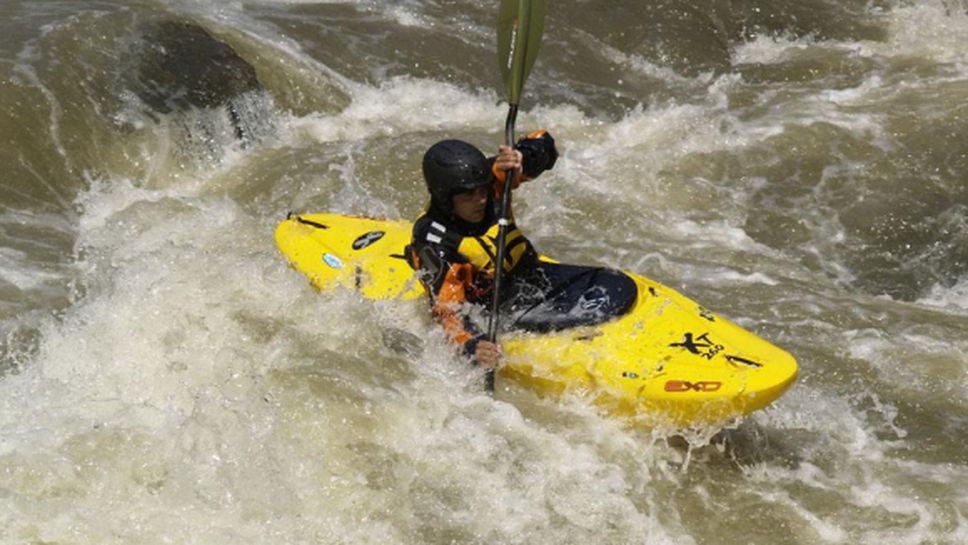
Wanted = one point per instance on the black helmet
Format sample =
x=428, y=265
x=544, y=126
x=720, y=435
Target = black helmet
x=452, y=166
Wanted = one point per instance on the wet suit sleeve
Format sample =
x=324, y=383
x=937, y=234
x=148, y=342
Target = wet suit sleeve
x=448, y=277
x=538, y=155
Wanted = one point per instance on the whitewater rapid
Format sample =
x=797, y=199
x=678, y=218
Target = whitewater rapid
x=165, y=377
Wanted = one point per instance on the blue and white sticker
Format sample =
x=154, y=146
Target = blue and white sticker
x=333, y=261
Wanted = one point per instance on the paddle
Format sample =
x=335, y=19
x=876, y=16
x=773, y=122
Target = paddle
x=519, y=27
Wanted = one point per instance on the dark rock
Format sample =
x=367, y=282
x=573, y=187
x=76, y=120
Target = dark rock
x=183, y=66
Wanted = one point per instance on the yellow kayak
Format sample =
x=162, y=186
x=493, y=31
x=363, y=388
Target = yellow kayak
x=667, y=360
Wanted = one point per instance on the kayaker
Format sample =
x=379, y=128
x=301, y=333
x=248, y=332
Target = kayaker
x=454, y=246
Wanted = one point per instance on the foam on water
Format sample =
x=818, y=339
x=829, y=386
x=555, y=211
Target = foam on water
x=934, y=29
x=953, y=297
x=850, y=459
x=405, y=105
x=17, y=270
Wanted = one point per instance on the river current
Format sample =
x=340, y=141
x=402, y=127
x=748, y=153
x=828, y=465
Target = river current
x=799, y=166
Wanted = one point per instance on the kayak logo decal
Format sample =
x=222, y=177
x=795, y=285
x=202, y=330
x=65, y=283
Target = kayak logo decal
x=687, y=386
x=736, y=359
x=705, y=347
x=333, y=261
x=701, y=345
x=593, y=299
x=367, y=239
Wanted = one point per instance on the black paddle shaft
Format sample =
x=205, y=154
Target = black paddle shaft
x=503, y=223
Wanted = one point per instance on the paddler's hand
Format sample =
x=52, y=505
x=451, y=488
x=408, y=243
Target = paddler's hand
x=509, y=158
x=488, y=354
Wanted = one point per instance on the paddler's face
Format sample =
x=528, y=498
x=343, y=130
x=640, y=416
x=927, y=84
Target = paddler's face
x=471, y=205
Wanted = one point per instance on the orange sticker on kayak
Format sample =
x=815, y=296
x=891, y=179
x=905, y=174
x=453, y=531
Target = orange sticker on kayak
x=686, y=386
